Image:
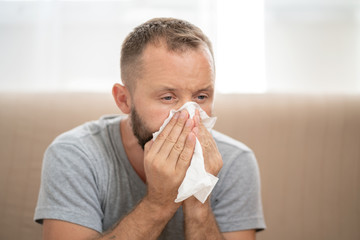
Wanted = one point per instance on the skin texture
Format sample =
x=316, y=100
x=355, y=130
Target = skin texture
x=168, y=81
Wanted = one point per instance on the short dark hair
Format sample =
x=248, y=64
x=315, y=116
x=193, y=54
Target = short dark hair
x=178, y=35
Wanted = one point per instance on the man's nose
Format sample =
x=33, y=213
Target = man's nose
x=183, y=101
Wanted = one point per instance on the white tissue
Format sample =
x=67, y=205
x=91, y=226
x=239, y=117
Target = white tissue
x=197, y=181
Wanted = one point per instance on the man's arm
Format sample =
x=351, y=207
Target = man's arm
x=200, y=222
x=243, y=235
x=166, y=160
x=58, y=230
x=146, y=221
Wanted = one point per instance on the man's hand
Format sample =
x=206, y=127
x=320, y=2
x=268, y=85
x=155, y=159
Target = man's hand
x=200, y=222
x=167, y=159
x=212, y=157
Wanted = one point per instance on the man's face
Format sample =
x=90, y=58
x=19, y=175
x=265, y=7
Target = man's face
x=139, y=128
x=168, y=81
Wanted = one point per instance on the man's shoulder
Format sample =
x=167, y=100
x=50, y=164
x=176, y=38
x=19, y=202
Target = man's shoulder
x=227, y=143
x=235, y=154
x=87, y=130
x=86, y=144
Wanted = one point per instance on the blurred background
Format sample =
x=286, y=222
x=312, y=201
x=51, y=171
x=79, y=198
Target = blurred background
x=260, y=46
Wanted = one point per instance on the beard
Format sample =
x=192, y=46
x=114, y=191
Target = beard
x=141, y=132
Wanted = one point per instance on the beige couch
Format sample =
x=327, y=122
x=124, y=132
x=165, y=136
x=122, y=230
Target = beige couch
x=308, y=149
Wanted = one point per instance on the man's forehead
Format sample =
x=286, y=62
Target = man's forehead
x=162, y=68
x=161, y=45
x=157, y=54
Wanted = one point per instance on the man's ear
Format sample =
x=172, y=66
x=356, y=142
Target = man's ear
x=122, y=98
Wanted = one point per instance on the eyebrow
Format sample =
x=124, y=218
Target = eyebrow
x=208, y=88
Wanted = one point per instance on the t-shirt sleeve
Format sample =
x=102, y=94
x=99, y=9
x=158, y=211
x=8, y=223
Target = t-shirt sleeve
x=69, y=190
x=236, y=199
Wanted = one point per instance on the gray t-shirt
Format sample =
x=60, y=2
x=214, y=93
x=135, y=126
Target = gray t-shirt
x=88, y=180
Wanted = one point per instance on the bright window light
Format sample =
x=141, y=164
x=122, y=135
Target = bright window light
x=75, y=45
x=240, y=46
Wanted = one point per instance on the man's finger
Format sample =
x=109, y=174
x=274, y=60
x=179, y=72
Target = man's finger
x=159, y=141
x=184, y=159
x=179, y=145
x=174, y=134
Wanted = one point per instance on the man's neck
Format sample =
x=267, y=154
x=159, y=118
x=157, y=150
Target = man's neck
x=132, y=148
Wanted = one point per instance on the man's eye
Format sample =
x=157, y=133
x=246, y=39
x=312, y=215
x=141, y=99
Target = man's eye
x=201, y=97
x=167, y=98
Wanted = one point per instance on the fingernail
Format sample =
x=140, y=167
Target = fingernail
x=183, y=114
x=188, y=123
x=176, y=115
x=191, y=136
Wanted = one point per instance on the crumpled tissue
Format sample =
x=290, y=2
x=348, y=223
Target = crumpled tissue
x=197, y=181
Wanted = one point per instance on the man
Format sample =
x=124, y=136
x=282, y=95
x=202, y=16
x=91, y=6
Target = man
x=109, y=180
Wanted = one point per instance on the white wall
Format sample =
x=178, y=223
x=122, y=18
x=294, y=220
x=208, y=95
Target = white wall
x=309, y=46
x=74, y=45
x=313, y=46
